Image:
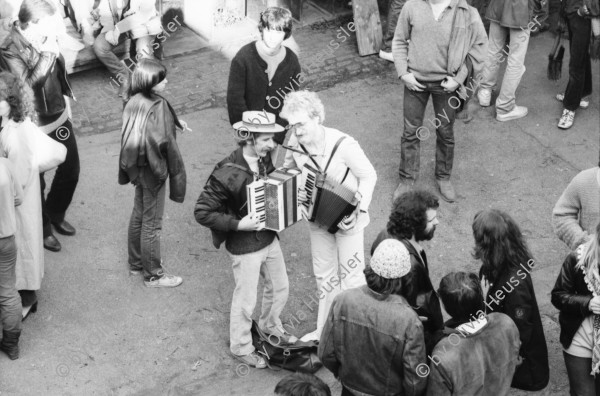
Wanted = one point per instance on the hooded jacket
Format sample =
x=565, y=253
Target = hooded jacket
x=149, y=151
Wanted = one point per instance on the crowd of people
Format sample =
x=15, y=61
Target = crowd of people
x=380, y=326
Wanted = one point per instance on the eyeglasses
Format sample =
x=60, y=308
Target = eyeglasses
x=434, y=218
x=294, y=126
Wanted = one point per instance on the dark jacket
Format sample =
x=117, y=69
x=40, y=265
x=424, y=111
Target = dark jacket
x=149, y=151
x=512, y=294
x=223, y=203
x=249, y=87
x=421, y=296
x=514, y=14
x=44, y=72
x=374, y=344
x=571, y=297
x=475, y=364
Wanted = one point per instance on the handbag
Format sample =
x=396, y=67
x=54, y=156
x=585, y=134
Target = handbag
x=300, y=356
x=48, y=152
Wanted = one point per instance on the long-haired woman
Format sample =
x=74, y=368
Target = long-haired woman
x=150, y=155
x=576, y=294
x=506, y=265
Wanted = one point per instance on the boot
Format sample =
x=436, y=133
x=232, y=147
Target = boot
x=10, y=343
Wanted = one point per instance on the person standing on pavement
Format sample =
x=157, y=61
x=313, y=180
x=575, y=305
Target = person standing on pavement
x=149, y=155
x=577, y=210
x=30, y=54
x=436, y=42
x=264, y=71
x=579, y=87
x=394, y=9
x=576, y=294
x=18, y=142
x=255, y=252
x=412, y=221
x=506, y=266
x=373, y=340
x=509, y=20
x=338, y=258
x=11, y=195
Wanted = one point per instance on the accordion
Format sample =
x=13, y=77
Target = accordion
x=275, y=199
x=328, y=202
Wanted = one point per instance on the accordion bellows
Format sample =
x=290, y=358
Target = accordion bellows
x=275, y=199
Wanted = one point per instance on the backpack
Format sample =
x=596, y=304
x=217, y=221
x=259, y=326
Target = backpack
x=301, y=356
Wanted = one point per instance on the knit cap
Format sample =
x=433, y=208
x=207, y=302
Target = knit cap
x=391, y=259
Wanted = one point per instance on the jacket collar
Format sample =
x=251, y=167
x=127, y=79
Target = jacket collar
x=382, y=297
x=455, y=3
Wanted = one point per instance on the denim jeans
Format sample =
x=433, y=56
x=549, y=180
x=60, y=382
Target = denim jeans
x=580, y=65
x=415, y=130
x=515, y=63
x=105, y=52
x=268, y=264
x=393, y=14
x=65, y=180
x=10, y=301
x=145, y=227
x=581, y=383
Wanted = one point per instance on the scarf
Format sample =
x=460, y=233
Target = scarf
x=589, y=265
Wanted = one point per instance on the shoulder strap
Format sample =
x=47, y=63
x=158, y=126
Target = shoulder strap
x=311, y=158
x=337, y=144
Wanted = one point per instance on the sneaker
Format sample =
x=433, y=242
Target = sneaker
x=405, y=185
x=253, y=359
x=516, y=113
x=566, y=119
x=312, y=336
x=446, y=190
x=584, y=103
x=164, y=281
x=484, y=96
x=386, y=55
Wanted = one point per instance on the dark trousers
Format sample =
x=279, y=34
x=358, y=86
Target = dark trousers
x=55, y=205
x=346, y=392
x=393, y=14
x=580, y=65
x=416, y=129
x=581, y=383
x=144, y=232
x=10, y=302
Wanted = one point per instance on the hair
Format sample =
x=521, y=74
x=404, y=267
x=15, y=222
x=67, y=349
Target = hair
x=276, y=18
x=379, y=284
x=590, y=257
x=34, y=10
x=499, y=243
x=18, y=95
x=306, y=101
x=461, y=294
x=409, y=213
x=148, y=74
x=301, y=384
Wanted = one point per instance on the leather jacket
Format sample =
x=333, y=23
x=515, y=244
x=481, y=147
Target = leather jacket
x=44, y=72
x=571, y=297
x=149, y=151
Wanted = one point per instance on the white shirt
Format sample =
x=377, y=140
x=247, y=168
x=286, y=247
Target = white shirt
x=439, y=8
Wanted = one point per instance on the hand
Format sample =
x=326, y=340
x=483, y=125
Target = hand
x=594, y=305
x=95, y=14
x=423, y=319
x=250, y=223
x=579, y=252
x=485, y=286
x=349, y=222
x=411, y=83
x=449, y=84
x=130, y=12
x=112, y=36
x=50, y=45
x=184, y=126
x=302, y=195
x=583, y=11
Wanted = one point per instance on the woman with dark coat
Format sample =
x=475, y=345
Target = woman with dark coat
x=506, y=275
x=576, y=294
x=150, y=155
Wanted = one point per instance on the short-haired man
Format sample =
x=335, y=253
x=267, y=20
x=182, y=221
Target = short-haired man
x=435, y=45
x=412, y=221
x=264, y=71
x=302, y=384
x=30, y=53
x=255, y=252
x=373, y=340
x=479, y=353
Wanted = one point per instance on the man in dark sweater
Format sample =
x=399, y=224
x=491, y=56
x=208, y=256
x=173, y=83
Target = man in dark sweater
x=264, y=71
x=255, y=252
